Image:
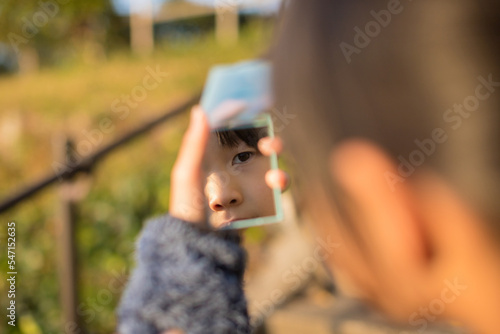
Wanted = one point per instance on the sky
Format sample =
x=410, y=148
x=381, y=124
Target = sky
x=122, y=7
x=263, y=6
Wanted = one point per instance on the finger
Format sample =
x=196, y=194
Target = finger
x=194, y=142
x=277, y=179
x=187, y=199
x=268, y=145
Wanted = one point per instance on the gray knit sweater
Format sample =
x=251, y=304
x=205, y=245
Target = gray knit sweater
x=186, y=278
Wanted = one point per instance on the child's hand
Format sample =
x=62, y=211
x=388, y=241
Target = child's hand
x=186, y=193
x=274, y=178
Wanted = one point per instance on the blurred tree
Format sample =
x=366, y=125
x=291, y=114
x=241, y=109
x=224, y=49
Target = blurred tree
x=58, y=28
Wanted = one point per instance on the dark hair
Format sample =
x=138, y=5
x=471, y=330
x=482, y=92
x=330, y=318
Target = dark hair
x=231, y=138
x=393, y=85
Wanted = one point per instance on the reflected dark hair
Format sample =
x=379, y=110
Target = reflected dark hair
x=232, y=138
x=392, y=87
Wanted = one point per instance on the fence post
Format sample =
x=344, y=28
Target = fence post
x=141, y=27
x=227, y=23
x=67, y=265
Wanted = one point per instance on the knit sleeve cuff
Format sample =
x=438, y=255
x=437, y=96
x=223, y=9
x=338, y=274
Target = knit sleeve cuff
x=187, y=278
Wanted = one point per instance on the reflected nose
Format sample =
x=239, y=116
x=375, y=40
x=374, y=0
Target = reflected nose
x=223, y=196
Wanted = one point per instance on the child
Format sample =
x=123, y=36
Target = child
x=396, y=144
x=397, y=135
x=188, y=276
x=235, y=170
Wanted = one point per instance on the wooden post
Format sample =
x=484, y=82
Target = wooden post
x=141, y=27
x=227, y=23
x=67, y=262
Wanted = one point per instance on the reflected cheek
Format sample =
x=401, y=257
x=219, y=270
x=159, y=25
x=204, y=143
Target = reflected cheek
x=267, y=198
x=259, y=195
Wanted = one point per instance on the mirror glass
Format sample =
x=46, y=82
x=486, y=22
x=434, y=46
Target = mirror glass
x=235, y=189
x=234, y=100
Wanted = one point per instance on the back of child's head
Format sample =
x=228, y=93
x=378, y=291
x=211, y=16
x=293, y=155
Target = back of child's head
x=420, y=79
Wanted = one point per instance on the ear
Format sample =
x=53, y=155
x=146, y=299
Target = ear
x=418, y=237
x=390, y=220
x=387, y=220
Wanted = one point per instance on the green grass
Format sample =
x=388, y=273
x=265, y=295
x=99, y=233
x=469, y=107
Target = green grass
x=129, y=186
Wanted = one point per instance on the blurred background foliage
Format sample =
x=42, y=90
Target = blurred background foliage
x=83, y=64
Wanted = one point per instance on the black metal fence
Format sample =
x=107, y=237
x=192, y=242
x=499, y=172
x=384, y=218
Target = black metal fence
x=67, y=265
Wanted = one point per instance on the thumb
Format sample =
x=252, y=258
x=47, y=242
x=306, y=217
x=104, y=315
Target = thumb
x=186, y=193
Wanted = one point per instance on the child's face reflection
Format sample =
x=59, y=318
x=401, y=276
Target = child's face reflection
x=236, y=187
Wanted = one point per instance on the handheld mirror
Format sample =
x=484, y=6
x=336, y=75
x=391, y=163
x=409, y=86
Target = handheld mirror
x=235, y=100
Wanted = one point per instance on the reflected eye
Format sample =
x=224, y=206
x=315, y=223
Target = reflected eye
x=242, y=157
